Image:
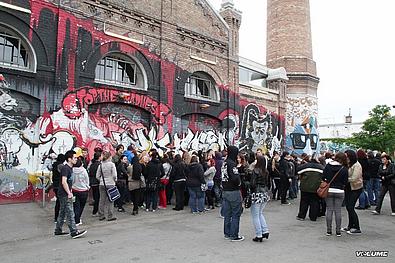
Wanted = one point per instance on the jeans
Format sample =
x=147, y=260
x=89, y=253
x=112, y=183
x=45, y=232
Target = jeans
x=384, y=189
x=57, y=204
x=293, y=190
x=374, y=190
x=79, y=204
x=363, y=198
x=105, y=206
x=179, y=188
x=66, y=211
x=309, y=201
x=96, y=198
x=122, y=188
x=196, y=199
x=258, y=220
x=231, y=209
x=351, y=197
x=151, y=197
x=334, y=205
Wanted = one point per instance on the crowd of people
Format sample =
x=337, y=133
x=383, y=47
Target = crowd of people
x=229, y=180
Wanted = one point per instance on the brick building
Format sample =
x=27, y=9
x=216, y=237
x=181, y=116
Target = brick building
x=158, y=74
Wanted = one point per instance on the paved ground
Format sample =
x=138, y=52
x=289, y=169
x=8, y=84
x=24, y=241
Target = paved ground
x=169, y=236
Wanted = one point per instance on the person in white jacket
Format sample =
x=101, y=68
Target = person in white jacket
x=80, y=190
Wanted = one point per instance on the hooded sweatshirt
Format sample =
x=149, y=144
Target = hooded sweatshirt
x=330, y=170
x=80, y=179
x=230, y=174
x=218, y=164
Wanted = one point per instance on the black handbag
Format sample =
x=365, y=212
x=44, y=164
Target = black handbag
x=248, y=199
x=112, y=192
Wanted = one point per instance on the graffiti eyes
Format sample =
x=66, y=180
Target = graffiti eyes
x=299, y=140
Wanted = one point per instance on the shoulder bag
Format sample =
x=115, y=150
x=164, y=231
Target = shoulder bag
x=112, y=192
x=323, y=189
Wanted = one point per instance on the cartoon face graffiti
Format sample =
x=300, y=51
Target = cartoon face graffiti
x=71, y=107
x=259, y=132
x=304, y=138
x=6, y=101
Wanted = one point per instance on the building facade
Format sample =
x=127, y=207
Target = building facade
x=158, y=74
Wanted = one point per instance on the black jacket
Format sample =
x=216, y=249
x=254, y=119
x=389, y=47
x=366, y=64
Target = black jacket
x=137, y=169
x=195, y=175
x=92, y=172
x=259, y=180
x=230, y=175
x=178, y=172
x=56, y=175
x=122, y=172
x=365, y=164
x=373, y=168
x=153, y=172
x=341, y=179
x=388, y=174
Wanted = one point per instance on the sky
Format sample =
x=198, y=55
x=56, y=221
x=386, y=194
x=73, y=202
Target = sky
x=353, y=46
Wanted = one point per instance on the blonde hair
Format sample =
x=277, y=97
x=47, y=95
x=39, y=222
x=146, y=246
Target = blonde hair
x=106, y=155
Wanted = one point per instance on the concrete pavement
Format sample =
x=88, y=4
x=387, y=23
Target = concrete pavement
x=26, y=235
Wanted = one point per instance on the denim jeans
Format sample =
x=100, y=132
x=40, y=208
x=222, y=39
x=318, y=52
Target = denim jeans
x=231, y=209
x=258, y=220
x=151, y=197
x=66, y=211
x=196, y=199
x=374, y=190
x=363, y=198
x=351, y=197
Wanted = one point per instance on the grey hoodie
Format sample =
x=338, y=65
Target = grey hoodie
x=80, y=179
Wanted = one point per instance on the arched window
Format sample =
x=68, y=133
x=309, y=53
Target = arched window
x=120, y=70
x=201, y=86
x=15, y=51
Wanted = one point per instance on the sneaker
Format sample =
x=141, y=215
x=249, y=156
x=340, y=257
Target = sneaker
x=153, y=210
x=146, y=210
x=78, y=234
x=299, y=218
x=286, y=203
x=227, y=237
x=112, y=219
x=328, y=233
x=338, y=234
x=239, y=238
x=344, y=229
x=61, y=233
x=393, y=214
x=102, y=218
x=121, y=210
x=374, y=212
x=359, y=208
x=353, y=231
x=95, y=215
x=79, y=224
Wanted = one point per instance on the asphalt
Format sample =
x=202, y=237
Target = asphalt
x=26, y=235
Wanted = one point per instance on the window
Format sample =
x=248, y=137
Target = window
x=116, y=71
x=14, y=50
x=201, y=86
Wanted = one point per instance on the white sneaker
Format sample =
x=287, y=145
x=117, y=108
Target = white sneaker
x=393, y=214
x=79, y=224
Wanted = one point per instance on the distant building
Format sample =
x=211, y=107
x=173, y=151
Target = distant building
x=339, y=130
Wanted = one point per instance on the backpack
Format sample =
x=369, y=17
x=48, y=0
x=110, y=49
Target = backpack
x=290, y=171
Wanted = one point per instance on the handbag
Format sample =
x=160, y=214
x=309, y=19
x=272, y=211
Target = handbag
x=112, y=192
x=323, y=189
x=248, y=200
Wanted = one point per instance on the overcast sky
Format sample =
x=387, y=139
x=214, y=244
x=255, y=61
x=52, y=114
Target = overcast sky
x=353, y=45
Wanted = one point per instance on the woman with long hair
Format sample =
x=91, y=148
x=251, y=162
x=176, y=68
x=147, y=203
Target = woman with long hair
x=387, y=175
x=334, y=200
x=242, y=168
x=209, y=178
x=164, y=181
x=106, y=174
x=260, y=183
x=178, y=176
x=363, y=198
x=352, y=192
x=195, y=179
x=135, y=181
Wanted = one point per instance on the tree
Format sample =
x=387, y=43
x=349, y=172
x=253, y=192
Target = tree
x=378, y=131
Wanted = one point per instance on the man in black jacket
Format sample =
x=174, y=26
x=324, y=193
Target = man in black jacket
x=231, y=195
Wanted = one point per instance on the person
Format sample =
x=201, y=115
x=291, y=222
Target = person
x=178, y=176
x=387, y=174
x=80, y=189
x=122, y=178
x=106, y=174
x=310, y=175
x=93, y=182
x=164, y=181
x=56, y=179
x=48, y=163
x=135, y=182
x=194, y=182
x=352, y=192
x=152, y=173
x=118, y=153
x=275, y=175
x=373, y=173
x=285, y=176
x=244, y=172
x=209, y=179
x=129, y=153
x=217, y=178
x=335, y=197
x=232, y=201
x=260, y=183
x=363, y=201
x=66, y=199
x=84, y=157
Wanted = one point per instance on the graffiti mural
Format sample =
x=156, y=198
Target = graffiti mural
x=301, y=129
x=260, y=129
